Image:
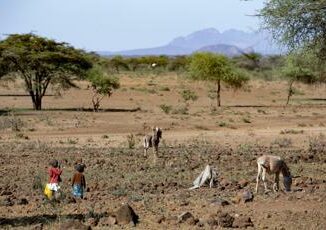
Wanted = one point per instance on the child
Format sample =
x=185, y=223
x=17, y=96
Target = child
x=78, y=181
x=79, y=161
x=54, y=173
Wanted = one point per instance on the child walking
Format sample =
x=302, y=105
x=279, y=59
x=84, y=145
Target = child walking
x=78, y=181
x=54, y=178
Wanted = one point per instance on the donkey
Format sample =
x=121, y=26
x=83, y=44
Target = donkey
x=152, y=141
x=273, y=165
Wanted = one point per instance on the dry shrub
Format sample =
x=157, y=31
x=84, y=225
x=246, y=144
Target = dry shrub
x=317, y=145
x=282, y=142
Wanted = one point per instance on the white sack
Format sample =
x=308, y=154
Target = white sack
x=208, y=175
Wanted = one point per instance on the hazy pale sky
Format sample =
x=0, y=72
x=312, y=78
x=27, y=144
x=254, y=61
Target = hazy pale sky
x=113, y=25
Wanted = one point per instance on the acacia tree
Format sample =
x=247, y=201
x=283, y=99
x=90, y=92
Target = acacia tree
x=41, y=62
x=102, y=85
x=297, y=23
x=216, y=68
x=298, y=69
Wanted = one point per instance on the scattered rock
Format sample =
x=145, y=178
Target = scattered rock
x=6, y=202
x=74, y=225
x=243, y=183
x=242, y=222
x=125, y=215
x=186, y=217
x=225, y=220
x=22, y=201
x=160, y=219
x=225, y=183
x=107, y=221
x=92, y=221
x=219, y=202
x=38, y=227
x=243, y=196
x=211, y=221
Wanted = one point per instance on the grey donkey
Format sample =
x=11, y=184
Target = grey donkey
x=152, y=141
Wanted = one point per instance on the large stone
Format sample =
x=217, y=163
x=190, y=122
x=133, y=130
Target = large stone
x=126, y=215
x=242, y=222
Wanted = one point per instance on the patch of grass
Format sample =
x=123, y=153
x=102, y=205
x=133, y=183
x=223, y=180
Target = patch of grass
x=317, y=144
x=246, y=120
x=302, y=125
x=13, y=122
x=200, y=127
x=222, y=124
x=291, y=131
x=20, y=135
x=166, y=108
x=164, y=88
x=181, y=110
x=135, y=198
x=119, y=192
x=131, y=140
x=282, y=142
x=261, y=111
x=105, y=136
x=145, y=90
x=72, y=141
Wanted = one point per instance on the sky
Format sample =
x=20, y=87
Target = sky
x=112, y=25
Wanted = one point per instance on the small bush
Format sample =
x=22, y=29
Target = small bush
x=246, y=120
x=222, y=124
x=317, y=144
x=188, y=95
x=119, y=192
x=72, y=141
x=105, y=136
x=181, y=110
x=291, y=131
x=131, y=141
x=282, y=142
x=164, y=88
x=13, y=122
x=166, y=108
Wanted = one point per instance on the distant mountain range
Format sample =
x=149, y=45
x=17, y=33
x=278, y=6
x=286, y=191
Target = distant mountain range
x=231, y=43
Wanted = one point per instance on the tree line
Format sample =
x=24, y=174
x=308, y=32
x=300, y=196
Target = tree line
x=299, y=25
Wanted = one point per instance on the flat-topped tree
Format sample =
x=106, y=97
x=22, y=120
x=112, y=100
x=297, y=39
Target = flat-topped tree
x=216, y=68
x=42, y=62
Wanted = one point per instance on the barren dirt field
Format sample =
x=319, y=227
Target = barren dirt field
x=250, y=123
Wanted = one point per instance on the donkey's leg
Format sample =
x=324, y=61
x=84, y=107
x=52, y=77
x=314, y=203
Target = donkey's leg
x=258, y=177
x=276, y=182
x=264, y=179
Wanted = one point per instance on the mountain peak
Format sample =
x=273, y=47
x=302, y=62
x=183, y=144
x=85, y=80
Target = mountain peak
x=230, y=41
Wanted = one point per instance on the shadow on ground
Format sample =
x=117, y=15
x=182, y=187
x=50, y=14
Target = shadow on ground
x=45, y=219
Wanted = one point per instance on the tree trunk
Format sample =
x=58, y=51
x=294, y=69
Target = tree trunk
x=37, y=104
x=37, y=100
x=218, y=93
x=290, y=92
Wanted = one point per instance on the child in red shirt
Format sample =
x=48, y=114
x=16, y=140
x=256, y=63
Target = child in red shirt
x=54, y=173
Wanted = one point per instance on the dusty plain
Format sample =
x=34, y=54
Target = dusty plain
x=250, y=123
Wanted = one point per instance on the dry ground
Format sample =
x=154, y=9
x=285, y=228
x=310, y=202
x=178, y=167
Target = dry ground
x=248, y=124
